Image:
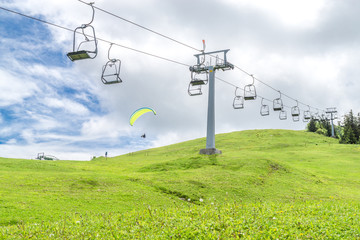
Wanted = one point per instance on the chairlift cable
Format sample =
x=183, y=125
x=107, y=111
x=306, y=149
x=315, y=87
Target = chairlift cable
x=151, y=54
x=37, y=19
x=100, y=39
x=186, y=45
x=143, y=27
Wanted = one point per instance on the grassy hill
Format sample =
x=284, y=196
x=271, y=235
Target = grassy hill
x=266, y=184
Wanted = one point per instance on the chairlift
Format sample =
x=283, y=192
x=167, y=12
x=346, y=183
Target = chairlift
x=307, y=115
x=323, y=116
x=199, y=78
x=250, y=91
x=194, y=89
x=111, y=70
x=219, y=61
x=316, y=116
x=295, y=111
x=238, y=102
x=86, y=48
x=328, y=116
x=264, y=109
x=335, y=116
x=278, y=104
x=282, y=115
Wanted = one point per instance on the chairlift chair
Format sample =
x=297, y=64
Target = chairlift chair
x=250, y=91
x=278, y=104
x=335, y=116
x=218, y=61
x=296, y=118
x=328, y=116
x=238, y=102
x=111, y=70
x=307, y=115
x=282, y=115
x=323, y=116
x=199, y=78
x=331, y=115
x=194, y=89
x=86, y=48
x=264, y=109
x=295, y=111
x=316, y=116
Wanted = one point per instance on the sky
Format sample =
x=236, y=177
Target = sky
x=308, y=50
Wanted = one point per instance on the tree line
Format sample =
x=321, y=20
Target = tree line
x=348, y=132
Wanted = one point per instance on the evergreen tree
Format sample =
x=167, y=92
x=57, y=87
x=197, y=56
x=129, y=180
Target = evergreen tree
x=311, y=126
x=351, y=129
x=349, y=136
x=327, y=126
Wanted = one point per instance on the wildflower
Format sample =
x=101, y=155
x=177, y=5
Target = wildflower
x=51, y=235
x=274, y=218
x=77, y=221
x=189, y=200
x=201, y=200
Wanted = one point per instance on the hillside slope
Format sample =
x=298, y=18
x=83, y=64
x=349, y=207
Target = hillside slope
x=256, y=165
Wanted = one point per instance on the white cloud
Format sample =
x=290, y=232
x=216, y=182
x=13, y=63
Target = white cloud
x=66, y=104
x=13, y=89
x=104, y=127
x=292, y=13
x=11, y=141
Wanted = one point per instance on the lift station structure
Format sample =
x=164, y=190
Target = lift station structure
x=207, y=73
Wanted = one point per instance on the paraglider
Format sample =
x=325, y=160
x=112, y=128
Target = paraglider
x=143, y=136
x=139, y=113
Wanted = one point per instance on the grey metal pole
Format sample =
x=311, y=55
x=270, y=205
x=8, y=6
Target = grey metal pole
x=332, y=126
x=201, y=68
x=210, y=136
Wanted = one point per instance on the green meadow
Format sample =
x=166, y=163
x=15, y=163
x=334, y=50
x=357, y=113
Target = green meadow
x=267, y=184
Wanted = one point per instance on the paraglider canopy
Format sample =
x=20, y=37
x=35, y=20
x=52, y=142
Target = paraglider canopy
x=140, y=112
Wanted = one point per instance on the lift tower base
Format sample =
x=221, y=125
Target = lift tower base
x=210, y=151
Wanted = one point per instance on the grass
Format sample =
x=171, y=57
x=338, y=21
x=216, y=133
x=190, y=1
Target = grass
x=267, y=184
